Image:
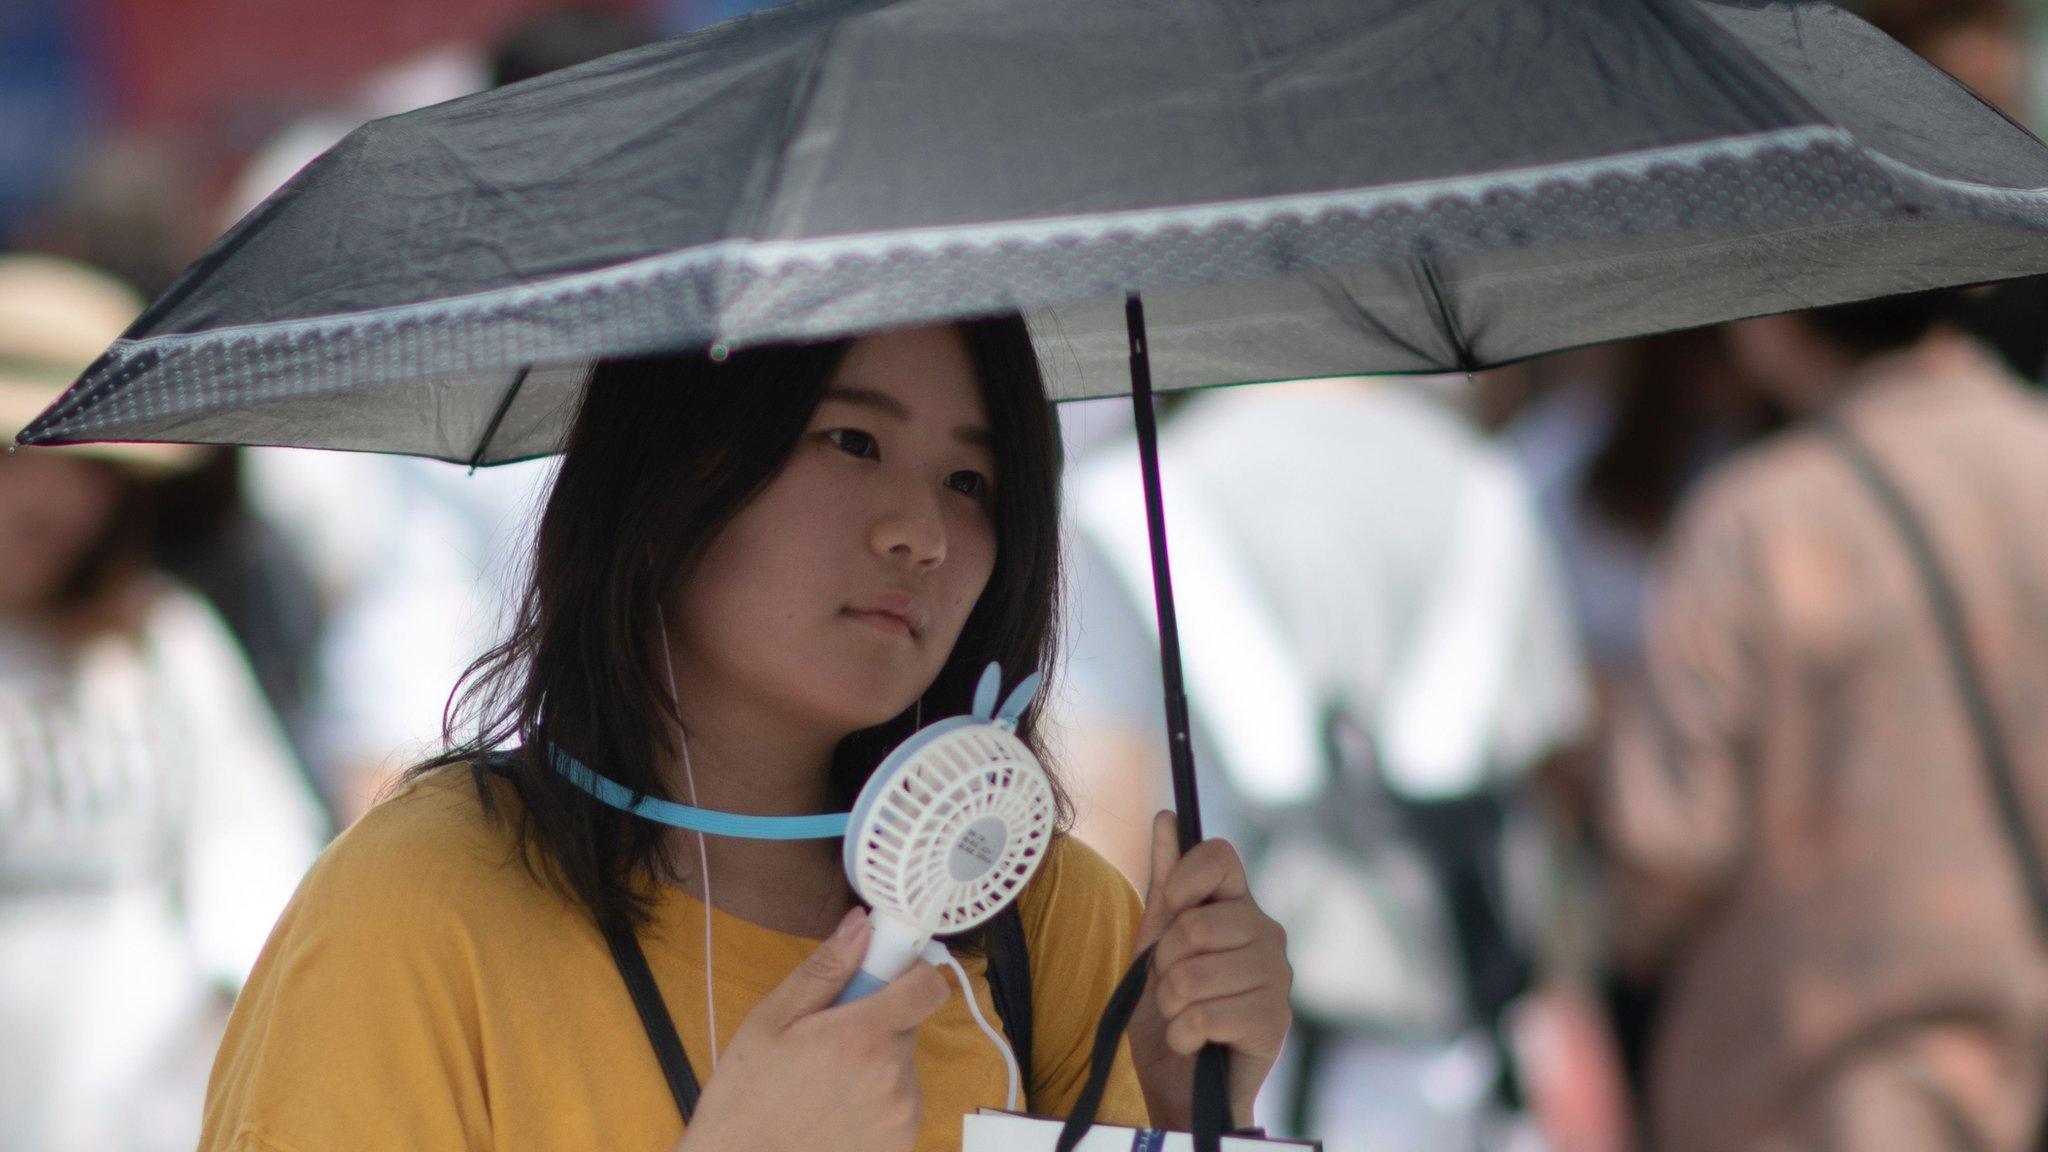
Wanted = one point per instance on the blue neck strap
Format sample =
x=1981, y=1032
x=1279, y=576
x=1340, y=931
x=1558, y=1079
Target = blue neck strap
x=829, y=826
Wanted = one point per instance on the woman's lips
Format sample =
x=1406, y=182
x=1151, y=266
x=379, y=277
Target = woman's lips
x=896, y=611
x=883, y=621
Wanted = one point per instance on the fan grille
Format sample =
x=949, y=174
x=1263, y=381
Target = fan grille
x=961, y=826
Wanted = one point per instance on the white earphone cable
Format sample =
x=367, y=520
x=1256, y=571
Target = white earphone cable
x=936, y=954
x=703, y=859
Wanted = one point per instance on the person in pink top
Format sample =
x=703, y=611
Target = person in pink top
x=1810, y=849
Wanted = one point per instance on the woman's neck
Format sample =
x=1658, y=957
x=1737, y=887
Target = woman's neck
x=734, y=760
x=746, y=759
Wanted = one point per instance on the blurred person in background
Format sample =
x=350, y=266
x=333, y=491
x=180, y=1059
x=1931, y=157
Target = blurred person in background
x=152, y=821
x=1378, y=656
x=129, y=207
x=1804, y=831
x=207, y=535
x=1611, y=448
x=126, y=204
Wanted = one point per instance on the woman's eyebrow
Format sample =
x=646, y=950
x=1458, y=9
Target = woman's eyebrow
x=868, y=398
x=890, y=406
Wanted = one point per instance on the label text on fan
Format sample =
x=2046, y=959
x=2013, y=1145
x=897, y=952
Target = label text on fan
x=977, y=849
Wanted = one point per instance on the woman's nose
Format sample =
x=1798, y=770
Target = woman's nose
x=912, y=528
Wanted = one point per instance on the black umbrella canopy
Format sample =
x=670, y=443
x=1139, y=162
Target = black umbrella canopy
x=1304, y=188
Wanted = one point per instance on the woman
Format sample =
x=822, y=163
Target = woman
x=152, y=819
x=755, y=574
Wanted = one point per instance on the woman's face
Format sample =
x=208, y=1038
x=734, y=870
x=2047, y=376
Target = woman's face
x=52, y=508
x=835, y=596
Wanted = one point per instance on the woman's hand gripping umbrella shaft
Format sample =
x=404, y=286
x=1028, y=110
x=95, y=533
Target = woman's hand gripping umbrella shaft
x=1219, y=975
x=799, y=1068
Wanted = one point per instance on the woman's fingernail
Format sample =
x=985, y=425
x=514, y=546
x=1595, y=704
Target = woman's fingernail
x=849, y=925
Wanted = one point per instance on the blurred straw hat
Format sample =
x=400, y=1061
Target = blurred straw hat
x=56, y=317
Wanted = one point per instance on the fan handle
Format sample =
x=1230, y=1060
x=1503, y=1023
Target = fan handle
x=892, y=949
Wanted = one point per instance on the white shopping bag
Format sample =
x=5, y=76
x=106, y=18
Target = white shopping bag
x=993, y=1130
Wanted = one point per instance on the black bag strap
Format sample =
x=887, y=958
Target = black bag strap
x=1009, y=978
x=654, y=1017
x=1210, y=1108
x=1009, y=985
x=1116, y=1016
x=1948, y=615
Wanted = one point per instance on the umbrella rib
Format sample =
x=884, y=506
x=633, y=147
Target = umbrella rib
x=1459, y=347
x=497, y=417
x=799, y=112
x=1335, y=290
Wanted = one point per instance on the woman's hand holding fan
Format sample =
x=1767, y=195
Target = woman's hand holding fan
x=801, y=1073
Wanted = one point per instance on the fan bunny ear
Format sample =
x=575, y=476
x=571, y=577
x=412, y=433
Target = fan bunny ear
x=1020, y=699
x=985, y=692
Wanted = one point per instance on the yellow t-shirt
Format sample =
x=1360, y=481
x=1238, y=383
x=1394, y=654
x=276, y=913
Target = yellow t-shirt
x=423, y=991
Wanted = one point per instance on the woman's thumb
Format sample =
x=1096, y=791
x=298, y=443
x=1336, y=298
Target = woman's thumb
x=823, y=974
x=1165, y=854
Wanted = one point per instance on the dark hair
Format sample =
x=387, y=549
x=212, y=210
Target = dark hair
x=1663, y=415
x=1870, y=327
x=664, y=452
x=562, y=40
x=116, y=553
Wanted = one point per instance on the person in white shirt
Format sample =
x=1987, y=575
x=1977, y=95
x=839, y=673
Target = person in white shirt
x=152, y=820
x=1341, y=548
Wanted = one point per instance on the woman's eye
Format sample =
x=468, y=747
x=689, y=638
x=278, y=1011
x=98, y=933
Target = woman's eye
x=852, y=440
x=971, y=484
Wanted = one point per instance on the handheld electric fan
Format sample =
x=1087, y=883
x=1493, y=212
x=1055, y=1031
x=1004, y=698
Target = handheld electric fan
x=947, y=831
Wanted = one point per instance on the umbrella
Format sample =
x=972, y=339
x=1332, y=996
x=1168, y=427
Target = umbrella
x=1297, y=189
x=1176, y=195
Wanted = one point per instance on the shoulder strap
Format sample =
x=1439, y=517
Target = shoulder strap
x=1009, y=984
x=654, y=1017
x=1948, y=615
x=1116, y=1016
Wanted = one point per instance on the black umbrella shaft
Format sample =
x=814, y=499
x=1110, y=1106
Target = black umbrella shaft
x=1211, y=1088
x=1179, y=750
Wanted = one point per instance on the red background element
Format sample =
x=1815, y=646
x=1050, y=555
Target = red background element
x=206, y=67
